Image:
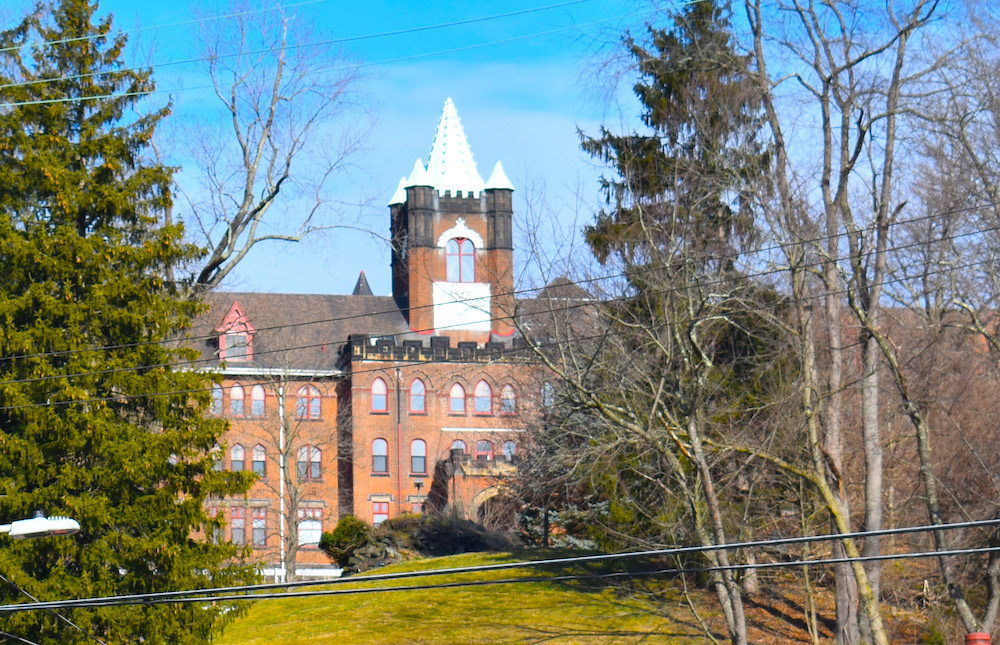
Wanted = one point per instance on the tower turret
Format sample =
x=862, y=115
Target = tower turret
x=452, y=260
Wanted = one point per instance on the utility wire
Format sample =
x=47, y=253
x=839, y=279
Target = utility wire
x=267, y=50
x=499, y=353
x=514, y=293
x=459, y=360
x=103, y=602
x=18, y=638
x=389, y=61
x=572, y=560
x=122, y=32
x=54, y=611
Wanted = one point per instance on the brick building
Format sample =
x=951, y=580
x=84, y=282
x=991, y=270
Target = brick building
x=377, y=406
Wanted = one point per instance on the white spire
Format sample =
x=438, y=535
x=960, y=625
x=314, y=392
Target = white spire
x=418, y=177
x=498, y=179
x=399, y=196
x=451, y=166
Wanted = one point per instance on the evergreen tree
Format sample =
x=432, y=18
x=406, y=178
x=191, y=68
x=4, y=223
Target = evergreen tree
x=688, y=184
x=686, y=366
x=94, y=423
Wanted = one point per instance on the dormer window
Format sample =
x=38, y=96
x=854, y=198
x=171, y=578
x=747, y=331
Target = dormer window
x=460, y=260
x=235, y=335
x=236, y=347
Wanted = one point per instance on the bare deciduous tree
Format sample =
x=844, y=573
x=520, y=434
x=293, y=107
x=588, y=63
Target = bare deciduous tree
x=289, y=121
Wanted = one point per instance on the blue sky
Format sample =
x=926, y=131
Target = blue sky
x=520, y=101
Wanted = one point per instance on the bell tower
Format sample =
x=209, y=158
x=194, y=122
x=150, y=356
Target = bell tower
x=452, y=242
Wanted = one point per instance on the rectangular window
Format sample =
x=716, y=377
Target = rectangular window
x=310, y=526
x=236, y=347
x=380, y=463
x=257, y=407
x=380, y=512
x=418, y=464
x=260, y=527
x=417, y=508
x=214, y=532
x=239, y=527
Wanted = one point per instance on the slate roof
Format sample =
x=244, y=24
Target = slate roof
x=297, y=331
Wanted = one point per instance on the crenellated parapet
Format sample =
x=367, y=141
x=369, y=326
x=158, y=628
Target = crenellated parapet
x=437, y=349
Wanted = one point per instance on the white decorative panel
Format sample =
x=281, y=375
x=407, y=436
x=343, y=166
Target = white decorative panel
x=461, y=305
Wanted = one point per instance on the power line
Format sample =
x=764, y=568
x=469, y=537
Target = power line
x=515, y=351
x=514, y=293
x=556, y=578
x=389, y=61
x=266, y=50
x=123, y=32
x=55, y=612
x=196, y=595
x=501, y=353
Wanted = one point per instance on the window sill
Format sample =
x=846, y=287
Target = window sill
x=381, y=475
x=418, y=475
x=379, y=413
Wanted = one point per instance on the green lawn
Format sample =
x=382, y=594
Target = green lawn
x=536, y=612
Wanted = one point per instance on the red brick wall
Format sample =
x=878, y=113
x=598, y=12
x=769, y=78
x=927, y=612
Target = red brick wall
x=249, y=430
x=438, y=427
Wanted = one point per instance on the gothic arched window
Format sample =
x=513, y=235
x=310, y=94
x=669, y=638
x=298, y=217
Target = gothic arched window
x=308, y=404
x=508, y=400
x=236, y=401
x=456, y=399
x=418, y=397
x=257, y=401
x=460, y=260
x=483, y=398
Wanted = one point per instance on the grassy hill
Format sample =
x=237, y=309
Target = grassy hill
x=531, y=612
x=573, y=612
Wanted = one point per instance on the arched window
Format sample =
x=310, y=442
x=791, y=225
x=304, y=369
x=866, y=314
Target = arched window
x=259, y=462
x=380, y=456
x=509, y=450
x=418, y=456
x=548, y=395
x=508, y=400
x=307, y=406
x=457, y=399
x=257, y=401
x=239, y=456
x=458, y=444
x=460, y=260
x=484, y=450
x=380, y=396
x=309, y=464
x=236, y=401
x=483, y=398
x=418, y=397
x=216, y=408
